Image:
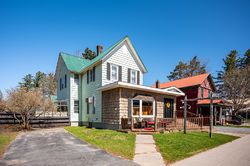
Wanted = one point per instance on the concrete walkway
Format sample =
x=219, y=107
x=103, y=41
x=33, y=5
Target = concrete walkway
x=229, y=154
x=145, y=151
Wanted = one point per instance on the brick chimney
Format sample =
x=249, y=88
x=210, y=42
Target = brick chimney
x=99, y=49
x=157, y=84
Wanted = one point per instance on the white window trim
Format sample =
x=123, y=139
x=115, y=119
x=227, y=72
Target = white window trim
x=131, y=71
x=117, y=74
x=140, y=111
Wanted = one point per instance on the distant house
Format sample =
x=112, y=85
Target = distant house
x=109, y=87
x=198, y=86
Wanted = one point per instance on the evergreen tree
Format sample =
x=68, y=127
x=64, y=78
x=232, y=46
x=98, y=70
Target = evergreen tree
x=27, y=82
x=89, y=54
x=37, y=79
x=183, y=70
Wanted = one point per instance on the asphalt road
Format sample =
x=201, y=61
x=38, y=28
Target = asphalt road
x=57, y=147
x=233, y=130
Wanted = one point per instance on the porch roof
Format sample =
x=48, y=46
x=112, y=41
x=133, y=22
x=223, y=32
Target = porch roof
x=114, y=85
x=216, y=102
x=144, y=98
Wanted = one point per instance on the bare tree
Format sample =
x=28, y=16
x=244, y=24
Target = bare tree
x=26, y=105
x=236, y=87
x=1, y=95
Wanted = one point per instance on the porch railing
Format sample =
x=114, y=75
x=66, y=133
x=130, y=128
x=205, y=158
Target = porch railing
x=135, y=123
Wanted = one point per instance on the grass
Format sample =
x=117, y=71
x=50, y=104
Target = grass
x=5, y=139
x=117, y=143
x=177, y=146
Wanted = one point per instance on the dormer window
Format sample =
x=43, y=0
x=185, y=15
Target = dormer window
x=114, y=72
x=133, y=76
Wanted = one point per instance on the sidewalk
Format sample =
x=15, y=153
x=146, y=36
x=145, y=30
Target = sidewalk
x=145, y=151
x=230, y=154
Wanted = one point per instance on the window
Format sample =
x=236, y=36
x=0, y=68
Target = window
x=76, y=78
x=202, y=92
x=142, y=108
x=147, y=108
x=76, y=106
x=62, y=106
x=91, y=75
x=65, y=81
x=133, y=76
x=136, y=107
x=114, y=72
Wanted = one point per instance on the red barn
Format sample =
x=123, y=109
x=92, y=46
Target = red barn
x=195, y=87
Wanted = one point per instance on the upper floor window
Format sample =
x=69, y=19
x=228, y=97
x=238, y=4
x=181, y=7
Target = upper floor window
x=91, y=75
x=202, y=92
x=114, y=72
x=76, y=78
x=133, y=76
x=76, y=106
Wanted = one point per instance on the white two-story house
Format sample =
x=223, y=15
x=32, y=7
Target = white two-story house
x=109, y=87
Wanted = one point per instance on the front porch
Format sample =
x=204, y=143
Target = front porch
x=136, y=124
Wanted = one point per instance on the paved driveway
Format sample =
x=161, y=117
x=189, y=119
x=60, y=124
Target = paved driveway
x=56, y=147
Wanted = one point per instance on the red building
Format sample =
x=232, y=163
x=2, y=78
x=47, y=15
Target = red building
x=196, y=87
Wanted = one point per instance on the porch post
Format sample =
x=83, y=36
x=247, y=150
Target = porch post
x=211, y=115
x=155, y=111
x=185, y=114
x=220, y=116
x=215, y=115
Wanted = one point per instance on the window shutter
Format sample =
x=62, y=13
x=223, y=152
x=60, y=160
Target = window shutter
x=65, y=80
x=129, y=72
x=108, y=71
x=138, y=77
x=93, y=74
x=93, y=103
x=87, y=76
x=120, y=73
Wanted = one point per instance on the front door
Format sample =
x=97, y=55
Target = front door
x=168, y=108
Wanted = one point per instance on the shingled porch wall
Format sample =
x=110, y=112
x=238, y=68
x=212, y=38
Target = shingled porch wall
x=116, y=104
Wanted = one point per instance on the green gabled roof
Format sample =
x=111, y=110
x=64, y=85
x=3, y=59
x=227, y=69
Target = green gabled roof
x=78, y=64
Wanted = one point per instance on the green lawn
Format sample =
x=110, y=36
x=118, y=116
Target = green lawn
x=121, y=144
x=177, y=146
x=5, y=139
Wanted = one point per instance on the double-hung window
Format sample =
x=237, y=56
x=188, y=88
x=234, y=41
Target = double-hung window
x=114, y=72
x=76, y=79
x=133, y=76
x=76, y=106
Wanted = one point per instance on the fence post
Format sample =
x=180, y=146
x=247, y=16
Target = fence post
x=201, y=122
x=132, y=123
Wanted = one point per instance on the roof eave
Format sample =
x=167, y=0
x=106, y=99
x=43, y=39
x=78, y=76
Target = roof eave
x=138, y=87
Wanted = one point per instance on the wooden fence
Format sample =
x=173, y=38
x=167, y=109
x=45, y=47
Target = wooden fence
x=42, y=121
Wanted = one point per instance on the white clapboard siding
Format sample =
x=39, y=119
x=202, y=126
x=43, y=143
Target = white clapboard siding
x=122, y=56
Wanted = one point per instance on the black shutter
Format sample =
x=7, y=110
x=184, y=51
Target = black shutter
x=138, y=77
x=108, y=71
x=93, y=74
x=129, y=71
x=65, y=80
x=93, y=111
x=87, y=76
x=120, y=73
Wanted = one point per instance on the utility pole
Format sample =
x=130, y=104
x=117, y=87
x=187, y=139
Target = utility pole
x=211, y=114
x=185, y=114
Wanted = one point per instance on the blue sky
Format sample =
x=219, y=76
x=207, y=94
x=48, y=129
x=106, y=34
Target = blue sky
x=32, y=33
